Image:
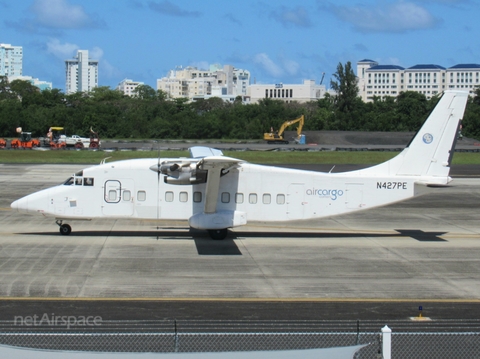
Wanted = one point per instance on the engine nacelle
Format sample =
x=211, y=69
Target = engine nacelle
x=218, y=220
x=183, y=173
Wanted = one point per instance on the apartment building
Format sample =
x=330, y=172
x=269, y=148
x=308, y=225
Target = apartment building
x=81, y=73
x=11, y=60
x=128, y=86
x=42, y=85
x=376, y=80
x=225, y=82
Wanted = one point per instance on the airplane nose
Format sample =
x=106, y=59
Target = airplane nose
x=20, y=205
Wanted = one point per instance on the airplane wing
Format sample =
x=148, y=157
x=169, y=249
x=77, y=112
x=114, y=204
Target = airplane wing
x=217, y=166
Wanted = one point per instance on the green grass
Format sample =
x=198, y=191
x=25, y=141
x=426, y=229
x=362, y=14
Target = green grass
x=263, y=157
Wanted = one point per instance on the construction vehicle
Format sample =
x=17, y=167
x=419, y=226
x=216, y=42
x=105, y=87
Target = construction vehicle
x=94, y=141
x=3, y=143
x=275, y=137
x=54, y=137
x=25, y=140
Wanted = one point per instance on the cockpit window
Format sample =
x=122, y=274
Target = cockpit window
x=79, y=174
x=68, y=182
x=79, y=181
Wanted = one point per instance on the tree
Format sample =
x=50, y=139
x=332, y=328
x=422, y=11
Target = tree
x=144, y=92
x=345, y=87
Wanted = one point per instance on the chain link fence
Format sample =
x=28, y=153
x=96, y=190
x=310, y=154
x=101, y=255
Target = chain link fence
x=227, y=337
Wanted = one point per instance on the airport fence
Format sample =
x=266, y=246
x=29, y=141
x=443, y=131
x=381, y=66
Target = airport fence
x=381, y=342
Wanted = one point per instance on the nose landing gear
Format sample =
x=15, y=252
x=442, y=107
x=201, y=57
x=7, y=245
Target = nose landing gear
x=65, y=229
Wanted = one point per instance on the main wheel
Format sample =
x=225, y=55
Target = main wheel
x=93, y=145
x=65, y=229
x=218, y=234
x=79, y=145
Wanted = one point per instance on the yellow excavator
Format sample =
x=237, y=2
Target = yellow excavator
x=275, y=137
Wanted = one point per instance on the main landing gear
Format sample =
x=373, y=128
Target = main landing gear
x=65, y=229
x=218, y=234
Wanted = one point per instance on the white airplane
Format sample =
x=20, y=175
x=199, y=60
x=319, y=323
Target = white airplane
x=214, y=192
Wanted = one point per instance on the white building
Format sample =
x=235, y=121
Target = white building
x=225, y=82
x=81, y=73
x=128, y=86
x=42, y=85
x=11, y=60
x=376, y=80
x=308, y=91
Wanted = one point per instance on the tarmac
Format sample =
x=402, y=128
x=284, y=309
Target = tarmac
x=378, y=264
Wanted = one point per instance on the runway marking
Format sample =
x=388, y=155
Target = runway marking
x=245, y=300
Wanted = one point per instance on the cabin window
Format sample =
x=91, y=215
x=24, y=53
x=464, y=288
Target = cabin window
x=197, y=197
x=112, y=195
x=252, y=198
x=225, y=197
x=127, y=195
x=280, y=199
x=169, y=196
x=239, y=198
x=88, y=181
x=267, y=198
x=183, y=196
x=141, y=196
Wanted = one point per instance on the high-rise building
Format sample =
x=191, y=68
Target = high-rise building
x=81, y=73
x=376, y=80
x=11, y=60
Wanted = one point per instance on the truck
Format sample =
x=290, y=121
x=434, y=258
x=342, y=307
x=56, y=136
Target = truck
x=74, y=140
x=275, y=137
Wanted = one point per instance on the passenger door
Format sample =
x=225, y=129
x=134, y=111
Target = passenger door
x=118, y=198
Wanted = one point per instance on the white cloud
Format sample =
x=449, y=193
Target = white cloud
x=59, y=14
x=297, y=17
x=62, y=51
x=95, y=53
x=267, y=64
x=290, y=66
x=394, y=17
x=168, y=8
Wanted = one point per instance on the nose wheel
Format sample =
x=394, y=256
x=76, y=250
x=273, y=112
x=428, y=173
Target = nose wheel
x=65, y=229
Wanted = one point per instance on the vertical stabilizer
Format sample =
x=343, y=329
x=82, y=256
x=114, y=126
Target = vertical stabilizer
x=430, y=152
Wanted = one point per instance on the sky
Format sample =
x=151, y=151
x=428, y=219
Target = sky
x=278, y=41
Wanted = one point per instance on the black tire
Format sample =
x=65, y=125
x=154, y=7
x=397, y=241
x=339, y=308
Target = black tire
x=218, y=234
x=93, y=145
x=65, y=229
x=79, y=145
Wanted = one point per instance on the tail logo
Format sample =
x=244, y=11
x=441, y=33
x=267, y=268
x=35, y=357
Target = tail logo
x=427, y=138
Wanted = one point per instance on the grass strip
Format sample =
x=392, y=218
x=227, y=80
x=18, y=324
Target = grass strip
x=264, y=157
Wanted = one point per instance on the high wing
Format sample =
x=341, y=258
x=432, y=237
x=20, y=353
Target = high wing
x=217, y=166
x=216, y=221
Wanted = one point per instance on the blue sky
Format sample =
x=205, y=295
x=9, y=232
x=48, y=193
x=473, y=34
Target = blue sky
x=277, y=41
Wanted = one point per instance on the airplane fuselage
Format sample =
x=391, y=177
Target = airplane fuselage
x=129, y=189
